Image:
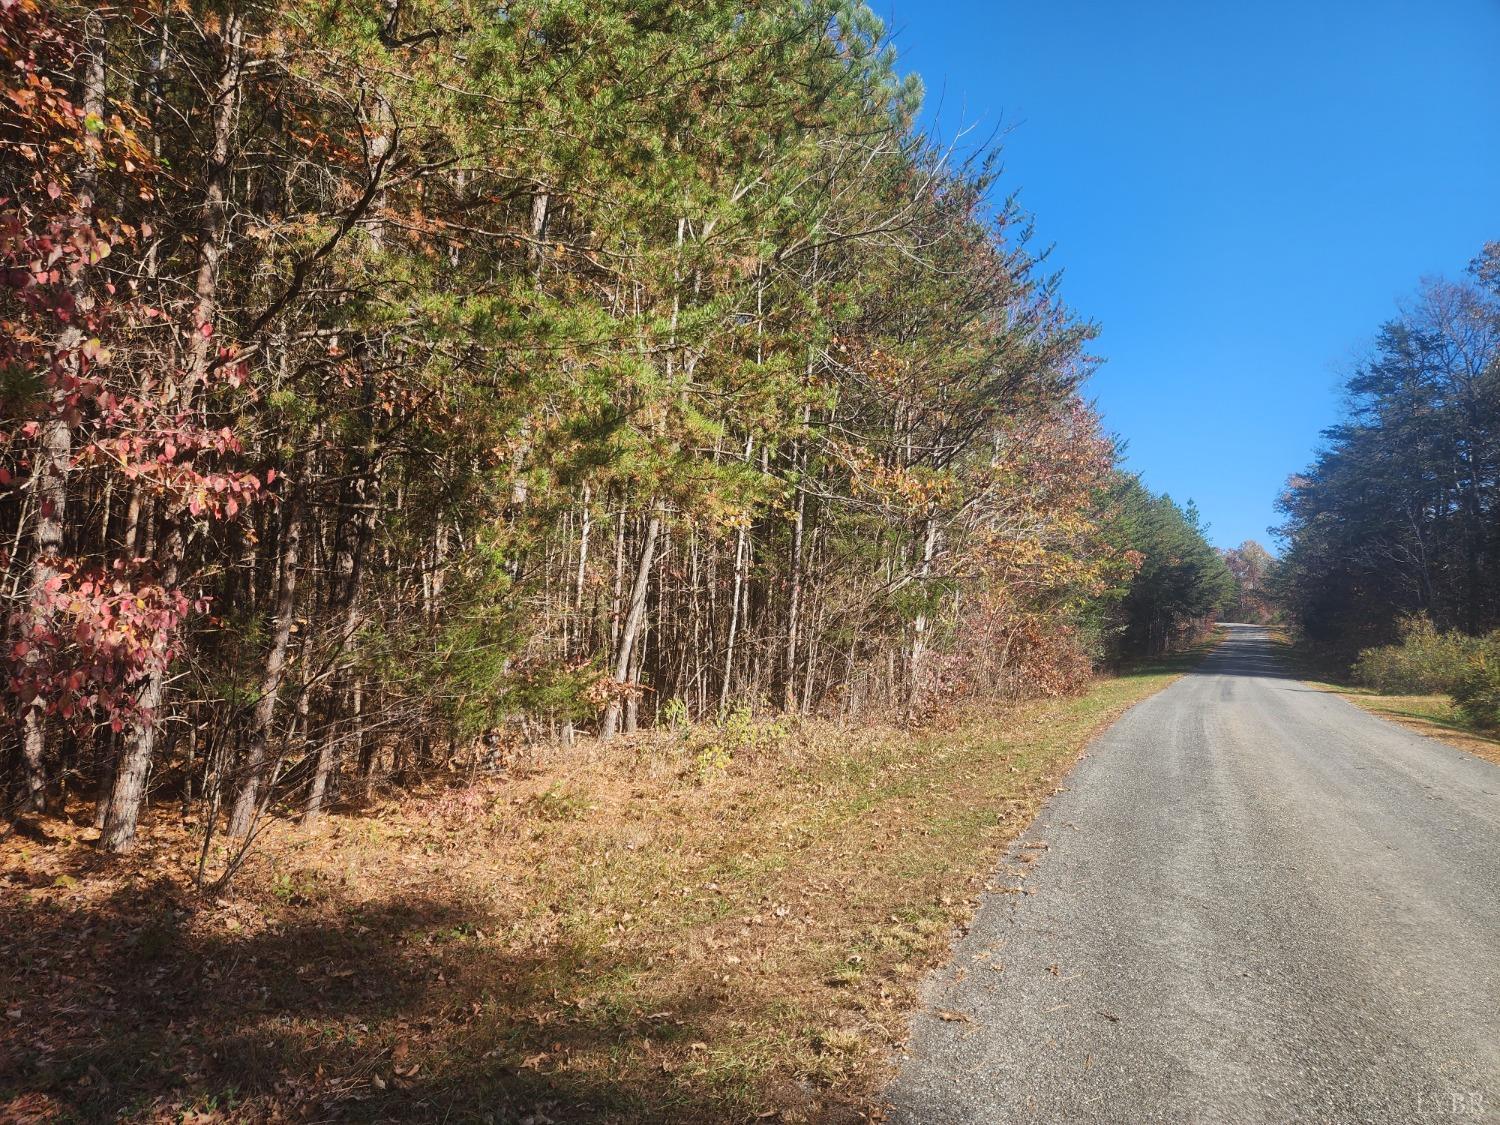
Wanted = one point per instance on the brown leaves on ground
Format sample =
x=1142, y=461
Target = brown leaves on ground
x=679, y=950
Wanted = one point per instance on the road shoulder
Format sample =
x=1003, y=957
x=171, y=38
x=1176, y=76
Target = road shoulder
x=1432, y=716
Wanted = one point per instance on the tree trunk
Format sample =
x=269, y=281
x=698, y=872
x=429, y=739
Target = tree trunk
x=135, y=762
x=740, y=546
x=327, y=758
x=129, y=790
x=585, y=526
x=536, y=248
x=794, y=604
x=47, y=544
x=248, y=803
x=633, y=696
x=350, y=566
x=109, y=751
x=56, y=454
x=213, y=221
x=919, y=626
x=628, y=630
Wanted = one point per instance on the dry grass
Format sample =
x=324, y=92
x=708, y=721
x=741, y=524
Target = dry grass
x=626, y=934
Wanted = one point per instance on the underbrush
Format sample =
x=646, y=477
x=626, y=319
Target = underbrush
x=1477, y=693
x=1428, y=661
x=706, y=923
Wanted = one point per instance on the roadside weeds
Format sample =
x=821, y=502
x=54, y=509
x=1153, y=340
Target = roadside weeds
x=650, y=931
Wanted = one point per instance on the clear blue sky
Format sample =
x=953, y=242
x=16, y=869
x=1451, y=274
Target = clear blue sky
x=1238, y=193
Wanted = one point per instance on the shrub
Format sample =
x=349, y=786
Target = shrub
x=559, y=804
x=744, y=734
x=714, y=747
x=674, y=716
x=1425, y=662
x=1477, y=693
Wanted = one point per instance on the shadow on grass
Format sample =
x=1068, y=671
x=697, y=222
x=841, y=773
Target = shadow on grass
x=1448, y=721
x=1171, y=664
x=143, y=1005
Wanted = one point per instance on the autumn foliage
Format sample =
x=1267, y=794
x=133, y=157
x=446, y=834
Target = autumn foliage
x=383, y=390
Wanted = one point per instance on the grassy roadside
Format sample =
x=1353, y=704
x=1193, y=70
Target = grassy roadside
x=650, y=932
x=1434, y=716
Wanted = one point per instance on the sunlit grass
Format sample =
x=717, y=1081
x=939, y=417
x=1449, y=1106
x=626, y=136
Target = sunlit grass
x=613, y=932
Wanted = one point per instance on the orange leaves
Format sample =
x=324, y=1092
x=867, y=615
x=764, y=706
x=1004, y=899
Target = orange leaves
x=45, y=129
x=915, y=488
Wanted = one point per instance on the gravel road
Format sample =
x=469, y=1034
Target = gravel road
x=1253, y=902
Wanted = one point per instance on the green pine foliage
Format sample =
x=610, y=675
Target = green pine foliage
x=1399, y=516
x=592, y=359
x=1181, y=584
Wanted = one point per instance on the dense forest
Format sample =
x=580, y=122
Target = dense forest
x=1399, y=516
x=387, y=385
x=1392, y=567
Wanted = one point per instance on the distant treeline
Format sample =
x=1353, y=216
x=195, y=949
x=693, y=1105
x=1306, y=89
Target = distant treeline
x=1399, y=516
x=382, y=378
x=1253, y=569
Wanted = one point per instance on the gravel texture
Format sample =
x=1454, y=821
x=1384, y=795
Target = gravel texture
x=1255, y=902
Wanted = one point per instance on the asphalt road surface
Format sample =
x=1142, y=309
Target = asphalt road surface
x=1255, y=902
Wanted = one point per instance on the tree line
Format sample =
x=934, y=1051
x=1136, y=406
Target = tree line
x=379, y=380
x=1399, y=515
